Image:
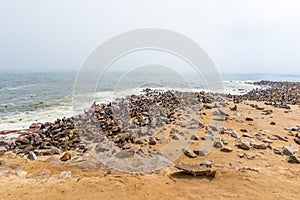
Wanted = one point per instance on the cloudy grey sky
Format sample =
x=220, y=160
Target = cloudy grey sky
x=240, y=36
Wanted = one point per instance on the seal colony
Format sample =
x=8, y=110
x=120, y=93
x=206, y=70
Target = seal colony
x=132, y=125
x=143, y=133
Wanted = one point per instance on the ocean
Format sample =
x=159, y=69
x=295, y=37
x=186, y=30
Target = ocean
x=26, y=98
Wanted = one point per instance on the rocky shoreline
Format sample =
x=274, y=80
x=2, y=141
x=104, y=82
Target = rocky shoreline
x=140, y=125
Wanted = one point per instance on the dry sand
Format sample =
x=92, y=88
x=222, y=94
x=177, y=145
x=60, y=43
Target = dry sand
x=275, y=178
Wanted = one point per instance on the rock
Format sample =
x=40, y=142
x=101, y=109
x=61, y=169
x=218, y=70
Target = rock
x=66, y=156
x=226, y=149
x=245, y=145
x=189, y=153
x=259, y=145
x=289, y=150
x=293, y=159
x=32, y=156
x=152, y=141
x=3, y=150
x=273, y=123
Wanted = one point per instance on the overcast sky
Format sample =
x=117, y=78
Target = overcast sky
x=240, y=36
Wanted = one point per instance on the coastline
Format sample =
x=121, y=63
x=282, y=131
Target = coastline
x=254, y=147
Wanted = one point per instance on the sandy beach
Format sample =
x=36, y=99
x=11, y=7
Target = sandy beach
x=254, y=156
